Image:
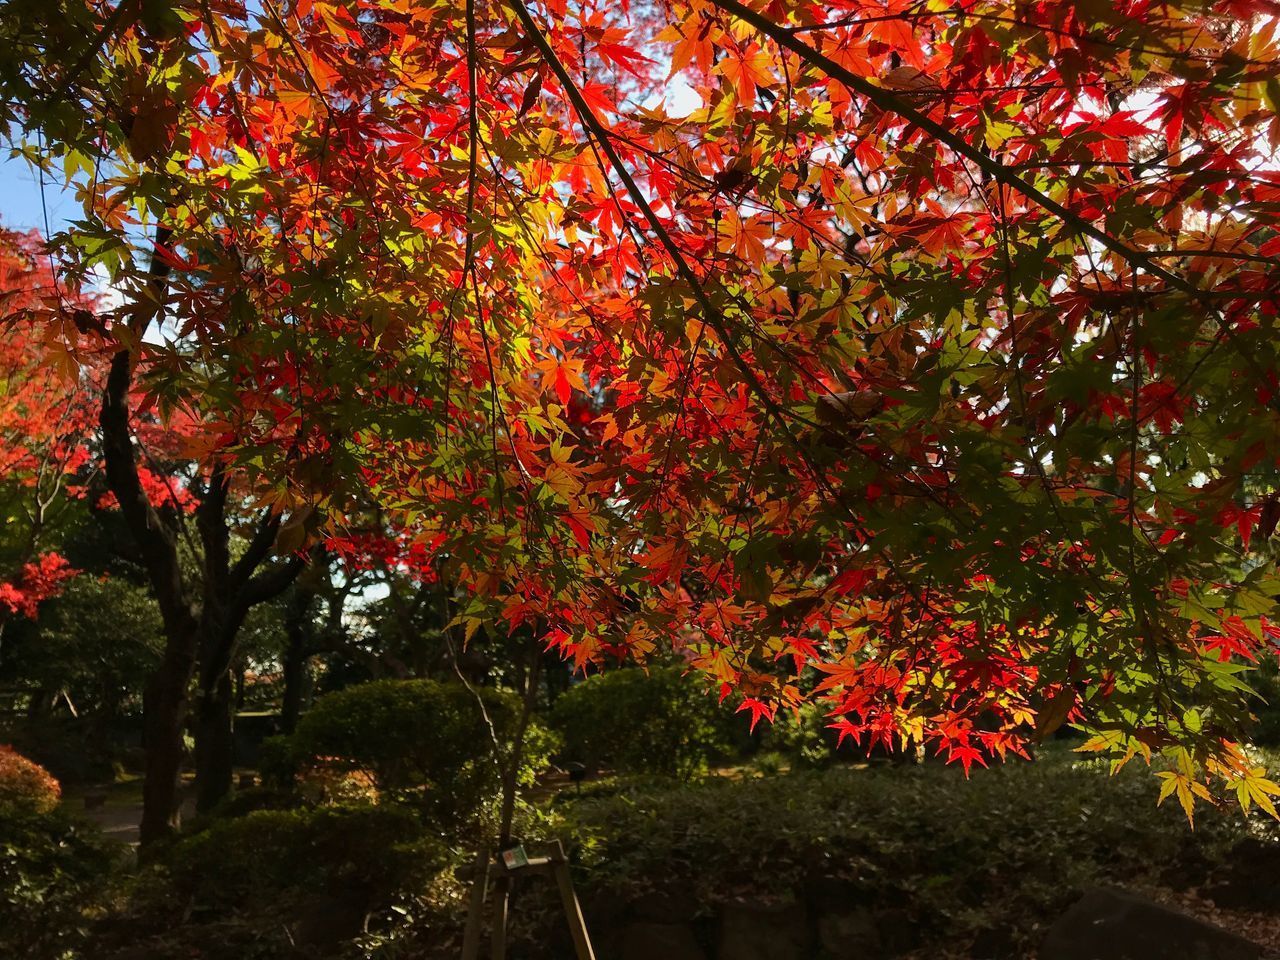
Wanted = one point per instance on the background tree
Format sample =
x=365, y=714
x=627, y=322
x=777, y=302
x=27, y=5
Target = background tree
x=45, y=408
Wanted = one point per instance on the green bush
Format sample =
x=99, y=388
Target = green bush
x=52, y=869
x=656, y=721
x=370, y=852
x=277, y=762
x=804, y=740
x=295, y=884
x=421, y=742
x=948, y=857
x=65, y=746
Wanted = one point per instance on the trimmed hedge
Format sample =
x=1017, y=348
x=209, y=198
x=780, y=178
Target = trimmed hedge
x=370, y=852
x=657, y=721
x=419, y=741
x=930, y=851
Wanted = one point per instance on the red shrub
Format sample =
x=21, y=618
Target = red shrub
x=25, y=785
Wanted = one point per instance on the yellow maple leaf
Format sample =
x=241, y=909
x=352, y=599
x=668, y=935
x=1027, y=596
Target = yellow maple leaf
x=1254, y=788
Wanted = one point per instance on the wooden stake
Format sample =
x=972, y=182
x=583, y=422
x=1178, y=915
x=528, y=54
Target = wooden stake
x=572, y=910
x=501, y=897
x=555, y=863
x=475, y=909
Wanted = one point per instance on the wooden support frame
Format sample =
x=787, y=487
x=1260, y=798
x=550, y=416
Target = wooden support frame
x=493, y=873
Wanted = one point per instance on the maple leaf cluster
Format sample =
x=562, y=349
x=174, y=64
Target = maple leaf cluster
x=931, y=351
x=36, y=582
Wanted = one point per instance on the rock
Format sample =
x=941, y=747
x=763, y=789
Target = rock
x=751, y=931
x=668, y=941
x=849, y=936
x=1115, y=925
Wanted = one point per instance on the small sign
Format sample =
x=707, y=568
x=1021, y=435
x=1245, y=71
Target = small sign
x=513, y=858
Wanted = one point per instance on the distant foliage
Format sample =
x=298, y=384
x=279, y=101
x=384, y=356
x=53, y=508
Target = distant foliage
x=37, y=581
x=804, y=738
x=99, y=640
x=657, y=721
x=1266, y=731
x=420, y=741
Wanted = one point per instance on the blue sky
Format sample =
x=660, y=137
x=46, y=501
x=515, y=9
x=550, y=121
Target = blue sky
x=20, y=198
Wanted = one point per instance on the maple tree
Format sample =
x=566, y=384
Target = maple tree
x=933, y=348
x=73, y=424
x=44, y=417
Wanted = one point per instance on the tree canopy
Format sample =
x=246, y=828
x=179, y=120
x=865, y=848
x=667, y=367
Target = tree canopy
x=931, y=345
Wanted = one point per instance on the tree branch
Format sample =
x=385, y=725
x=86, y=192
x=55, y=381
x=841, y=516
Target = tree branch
x=211, y=515
x=890, y=102
x=270, y=583
x=258, y=548
x=155, y=542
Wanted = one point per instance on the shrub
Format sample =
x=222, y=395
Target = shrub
x=804, y=740
x=421, y=741
x=925, y=848
x=75, y=750
x=366, y=852
x=277, y=761
x=50, y=864
x=657, y=721
x=25, y=786
x=274, y=884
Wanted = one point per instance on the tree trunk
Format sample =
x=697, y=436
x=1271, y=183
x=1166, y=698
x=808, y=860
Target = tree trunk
x=165, y=699
x=215, y=737
x=215, y=743
x=296, y=682
x=164, y=710
x=511, y=770
x=296, y=655
x=41, y=703
x=228, y=598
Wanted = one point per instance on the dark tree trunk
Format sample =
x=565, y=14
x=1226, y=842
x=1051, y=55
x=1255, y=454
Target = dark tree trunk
x=296, y=682
x=165, y=700
x=41, y=703
x=164, y=720
x=224, y=615
x=296, y=655
x=558, y=673
x=215, y=736
x=215, y=744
